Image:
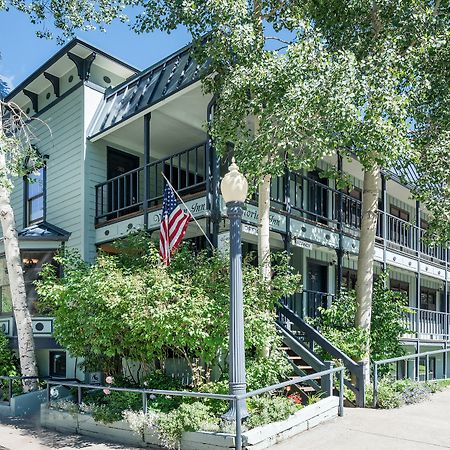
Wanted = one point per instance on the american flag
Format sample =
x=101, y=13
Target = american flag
x=173, y=225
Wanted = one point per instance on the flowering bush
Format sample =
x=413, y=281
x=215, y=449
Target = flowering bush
x=396, y=393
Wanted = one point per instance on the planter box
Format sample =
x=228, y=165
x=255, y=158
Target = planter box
x=256, y=439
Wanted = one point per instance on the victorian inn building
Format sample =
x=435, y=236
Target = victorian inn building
x=115, y=129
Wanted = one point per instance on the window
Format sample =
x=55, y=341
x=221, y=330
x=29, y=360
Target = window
x=400, y=213
x=32, y=262
x=57, y=364
x=35, y=196
x=349, y=279
x=400, y=286
x=428, y=299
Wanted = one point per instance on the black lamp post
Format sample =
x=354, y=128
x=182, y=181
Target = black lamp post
x=234, y=189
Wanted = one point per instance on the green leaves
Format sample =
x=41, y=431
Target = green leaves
x=337, y=323
x=133, y=307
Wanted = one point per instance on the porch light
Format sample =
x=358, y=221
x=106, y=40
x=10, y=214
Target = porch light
x=234, y=185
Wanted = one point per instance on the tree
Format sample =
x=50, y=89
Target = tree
x=15, y=148
x=101, y=310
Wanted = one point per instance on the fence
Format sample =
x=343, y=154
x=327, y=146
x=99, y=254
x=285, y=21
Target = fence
x=234, y=399
x=416, y=357
x=11, y=379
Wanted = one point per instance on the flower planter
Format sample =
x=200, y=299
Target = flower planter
x=256, y=439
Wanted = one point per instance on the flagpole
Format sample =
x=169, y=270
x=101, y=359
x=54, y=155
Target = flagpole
x=184, y=204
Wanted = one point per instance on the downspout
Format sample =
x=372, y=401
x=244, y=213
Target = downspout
x=340, y=213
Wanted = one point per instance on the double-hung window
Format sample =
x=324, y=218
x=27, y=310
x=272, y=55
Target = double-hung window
x=35, y=196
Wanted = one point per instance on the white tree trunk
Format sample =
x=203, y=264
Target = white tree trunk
x=22, y=315
x=263, y=228
x=364, y=285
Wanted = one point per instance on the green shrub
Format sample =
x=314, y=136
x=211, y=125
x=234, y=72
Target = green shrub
x=396, y=393
x=262, y=372
x=265, y=409
x=110, y=408
x=9, y=364
x=337, y=324
x=187, y=417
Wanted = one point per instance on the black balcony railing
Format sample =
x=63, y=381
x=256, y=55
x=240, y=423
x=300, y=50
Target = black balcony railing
x=125, y=194
x=310, y=199
x=308, y=302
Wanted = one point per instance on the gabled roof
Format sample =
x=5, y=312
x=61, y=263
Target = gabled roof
x=145, y=89
x=44, y=231
x=78, y=46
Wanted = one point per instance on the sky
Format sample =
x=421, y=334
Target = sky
x=22, y=52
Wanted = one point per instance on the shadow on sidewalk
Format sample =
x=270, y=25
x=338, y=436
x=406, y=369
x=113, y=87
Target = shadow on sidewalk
x=31, y=427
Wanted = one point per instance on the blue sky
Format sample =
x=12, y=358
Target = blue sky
x=22, y=52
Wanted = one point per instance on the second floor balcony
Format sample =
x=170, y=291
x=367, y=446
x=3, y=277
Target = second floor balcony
x=307, y=197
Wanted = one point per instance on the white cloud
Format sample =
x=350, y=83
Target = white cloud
x=8, y=79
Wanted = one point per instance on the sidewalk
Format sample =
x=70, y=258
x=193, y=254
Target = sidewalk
x=16, y=434
x=416, y=427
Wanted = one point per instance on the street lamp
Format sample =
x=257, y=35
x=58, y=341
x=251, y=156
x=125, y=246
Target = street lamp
x=234, y=189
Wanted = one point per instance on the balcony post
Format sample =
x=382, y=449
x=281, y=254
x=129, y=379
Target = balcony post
x=447, y=324
x=212, y=180
x=287, y=208
x=384, y=219
x=340, y=219
x=418, y=280
x=147, y=118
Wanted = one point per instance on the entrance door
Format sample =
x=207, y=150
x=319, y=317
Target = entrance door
x=317, y=286
x=123, y=192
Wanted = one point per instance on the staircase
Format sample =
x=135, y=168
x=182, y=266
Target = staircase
x=301, y=342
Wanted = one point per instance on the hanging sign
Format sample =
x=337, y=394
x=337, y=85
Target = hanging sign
x=301, y=244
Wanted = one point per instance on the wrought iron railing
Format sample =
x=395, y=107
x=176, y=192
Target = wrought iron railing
x=125, y=194
x=308, y=302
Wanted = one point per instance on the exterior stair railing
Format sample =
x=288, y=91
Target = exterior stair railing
x=304, y=339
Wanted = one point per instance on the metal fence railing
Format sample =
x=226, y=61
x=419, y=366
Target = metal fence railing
x=234, y=399
x=416, y=358
x=10, y=380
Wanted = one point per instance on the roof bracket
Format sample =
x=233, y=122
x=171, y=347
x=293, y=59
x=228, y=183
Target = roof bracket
x=33, y=97
x=55, y=82
x=83, y=64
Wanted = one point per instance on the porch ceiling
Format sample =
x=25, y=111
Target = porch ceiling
x=177, y=125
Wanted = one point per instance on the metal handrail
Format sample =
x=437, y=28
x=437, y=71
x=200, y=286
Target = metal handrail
x=354, y=368
x=11, y=378
x=416, y=357
x=227, y=397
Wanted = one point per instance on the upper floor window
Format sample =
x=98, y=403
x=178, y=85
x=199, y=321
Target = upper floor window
x=35, y=196
x=400, y=213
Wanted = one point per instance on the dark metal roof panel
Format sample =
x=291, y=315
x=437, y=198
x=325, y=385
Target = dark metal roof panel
x=145, y=89
x=44, y=231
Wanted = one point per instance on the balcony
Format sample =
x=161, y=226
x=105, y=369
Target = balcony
x=428, y=325
x=309, y=199
x=125, y=194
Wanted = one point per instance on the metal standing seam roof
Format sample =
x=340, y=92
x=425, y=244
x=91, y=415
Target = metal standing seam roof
x=44, y=231
x=146, y=88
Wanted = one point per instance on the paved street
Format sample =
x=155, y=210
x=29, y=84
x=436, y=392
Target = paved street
x=417, y=427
